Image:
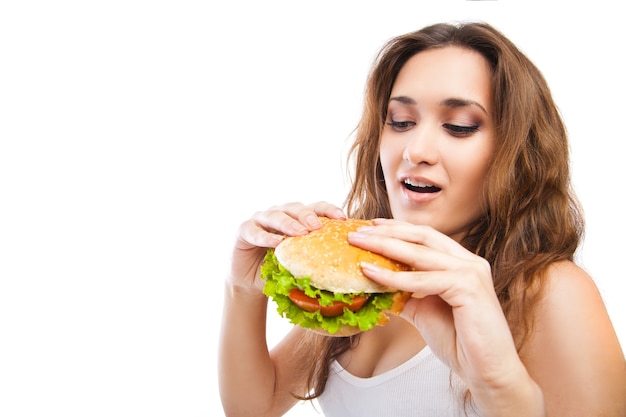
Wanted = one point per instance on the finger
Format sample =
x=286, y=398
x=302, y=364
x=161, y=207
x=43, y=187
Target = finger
x=414, y=282
x=417, y=256
x=268, y=228
x=251, y=234
x=421, y=234
x=322, y=208
x=432, y=317
x=307, y=216
x=470, y=285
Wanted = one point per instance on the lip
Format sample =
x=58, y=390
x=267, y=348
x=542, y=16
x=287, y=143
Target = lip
x=415, y=196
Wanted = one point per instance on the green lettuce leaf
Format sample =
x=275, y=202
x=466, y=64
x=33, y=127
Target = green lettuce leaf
x=279, y=282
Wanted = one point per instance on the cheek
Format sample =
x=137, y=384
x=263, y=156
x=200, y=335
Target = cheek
x=390, y=155
x=472, y=172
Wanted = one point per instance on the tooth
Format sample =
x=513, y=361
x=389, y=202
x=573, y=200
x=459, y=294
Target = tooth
x=417, y=183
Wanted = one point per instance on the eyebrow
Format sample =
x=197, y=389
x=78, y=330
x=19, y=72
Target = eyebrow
x=404, y=100
x=449, y=102
x=461, y=102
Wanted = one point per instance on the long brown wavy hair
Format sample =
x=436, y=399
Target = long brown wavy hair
x=531, y=218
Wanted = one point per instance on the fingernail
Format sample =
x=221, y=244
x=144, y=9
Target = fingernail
x=276, y=240
x=370, y=267
x=313, y=221
x=298, y=228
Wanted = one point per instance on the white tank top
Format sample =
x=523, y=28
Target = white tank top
x=421, y=387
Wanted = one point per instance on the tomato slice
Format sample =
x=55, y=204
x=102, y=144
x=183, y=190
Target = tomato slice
x=307, y=303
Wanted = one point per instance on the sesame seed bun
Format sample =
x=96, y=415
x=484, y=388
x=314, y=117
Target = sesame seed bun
x=325, y=256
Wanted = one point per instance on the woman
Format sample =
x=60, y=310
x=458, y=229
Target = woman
x=462, y=158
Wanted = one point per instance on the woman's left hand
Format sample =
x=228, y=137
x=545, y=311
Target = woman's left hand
x=454, y=304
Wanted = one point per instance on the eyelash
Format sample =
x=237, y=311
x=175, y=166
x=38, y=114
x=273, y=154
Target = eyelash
x=460, y=131
x=454, y=130
x=401, y=126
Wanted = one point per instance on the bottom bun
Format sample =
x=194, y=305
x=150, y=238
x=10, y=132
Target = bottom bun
x=344, y=331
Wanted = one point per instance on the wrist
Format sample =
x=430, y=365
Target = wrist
x=517, y=394
x=244, y=293
x=244, y=312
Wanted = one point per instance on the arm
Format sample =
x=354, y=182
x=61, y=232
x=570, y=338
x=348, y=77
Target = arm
x=252, y=380
x=574, y=353
x=457, y=312
x=572, y=365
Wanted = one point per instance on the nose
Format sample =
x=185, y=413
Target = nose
x=421, y=147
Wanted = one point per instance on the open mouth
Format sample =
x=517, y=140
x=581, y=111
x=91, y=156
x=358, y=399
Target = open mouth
x=419, y=186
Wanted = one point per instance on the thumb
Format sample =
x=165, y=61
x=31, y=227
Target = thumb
x=431, y=316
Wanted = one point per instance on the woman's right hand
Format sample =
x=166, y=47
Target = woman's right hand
x=266, y=229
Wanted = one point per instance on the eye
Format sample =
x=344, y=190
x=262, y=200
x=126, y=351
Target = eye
x=401, y=125
x=460, y=130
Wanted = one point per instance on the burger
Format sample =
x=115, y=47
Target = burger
x=317, y=283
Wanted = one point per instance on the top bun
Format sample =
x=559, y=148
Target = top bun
x=325, y=256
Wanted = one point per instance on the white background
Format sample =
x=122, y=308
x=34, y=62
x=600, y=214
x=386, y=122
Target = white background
x=136, y=135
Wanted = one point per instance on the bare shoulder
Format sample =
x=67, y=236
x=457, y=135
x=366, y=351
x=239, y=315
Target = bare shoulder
x=574, y=352
x=572, y=314
x=570, y=288
x=572, y=305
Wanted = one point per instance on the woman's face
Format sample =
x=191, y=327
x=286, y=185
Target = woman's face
x=438, y=139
